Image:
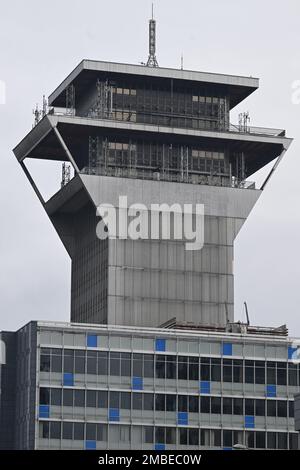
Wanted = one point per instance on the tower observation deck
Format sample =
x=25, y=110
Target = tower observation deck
x=155, y=135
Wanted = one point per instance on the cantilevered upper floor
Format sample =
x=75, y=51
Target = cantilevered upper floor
x=153, y=123
x=151, y=95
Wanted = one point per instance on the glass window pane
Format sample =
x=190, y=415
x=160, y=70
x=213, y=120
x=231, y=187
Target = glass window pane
x=91, y=396
x=148, y=365
x=183, y=436
x=45, y=360
x=281, y=373
x=227, y=406
x=260, y=372
x=67, y=430
x=193, y=437
x=271, y=407
x=101, y=432
x=282, y=408
x=148, y=433
x=78, y=431
x=260, y=407
x=182, y=368
x=216, y=405
x=216, y=370
x=69, y=361
x=102, y=363
x=160, y=367
x=114, y=400
x=171, y=402
x=91, y=366
x=67, y=397
x=193, y=404
x=282, y=440
x=91, y=433
x=260, y=440
x=125, y=400
x=160, y=402
x=137, y=365
x=160, y=435
x=102, y=399
x=79, y=398
x=56, y=360
x=148, y=401
x=137, y=401
x=205, y=404
x=44, y=396
x=79, y=362
x=44, y=430
x=193, y=368
x=249, y=407
x=56, y=396
x=182, y=403
x=238, y=406
x=126, y=364
x=55, y=430
x=249, y=372
x=170, y=367
x=170, y=435
x=271, y=440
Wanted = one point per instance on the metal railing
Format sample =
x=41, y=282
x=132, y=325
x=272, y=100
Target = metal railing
x=222, y=181
x=256, y=130
x=219, y=127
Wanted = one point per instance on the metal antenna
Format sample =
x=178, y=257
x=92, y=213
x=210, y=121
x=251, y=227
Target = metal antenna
x=45, y=106
x=152, y=61
x=247, y=313
x=182, y=61
x=226, y=312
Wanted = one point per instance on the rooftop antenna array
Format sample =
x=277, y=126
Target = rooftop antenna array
x=40, y=113
x=37, y=115
x=65, y=174
x=244, y=119
x=152, y=61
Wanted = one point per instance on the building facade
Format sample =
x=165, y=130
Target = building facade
x=152, y=358
x=110, y=387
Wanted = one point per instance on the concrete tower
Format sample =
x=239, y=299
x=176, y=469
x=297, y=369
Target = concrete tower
x=155, y=135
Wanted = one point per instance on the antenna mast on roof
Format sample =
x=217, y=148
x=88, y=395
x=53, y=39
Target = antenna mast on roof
x=152, y=61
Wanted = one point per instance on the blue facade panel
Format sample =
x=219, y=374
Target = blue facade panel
x=92, y=341
x=227, y=349
x=205, y=387
x=114, y=414
x=249, y=422
x=292, y=352
x=182, y=418
x=44, y=411
x=137, y=383
x=159, y=447
x=271, y=391
x=90, y=445
x=68, y=379
x=160, y=345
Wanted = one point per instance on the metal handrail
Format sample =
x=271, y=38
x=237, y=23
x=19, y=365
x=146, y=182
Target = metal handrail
x=231, y=128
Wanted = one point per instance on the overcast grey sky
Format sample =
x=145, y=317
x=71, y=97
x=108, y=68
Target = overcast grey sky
x=41, y=42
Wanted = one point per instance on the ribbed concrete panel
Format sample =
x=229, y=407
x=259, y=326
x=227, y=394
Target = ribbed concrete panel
x=151, y=281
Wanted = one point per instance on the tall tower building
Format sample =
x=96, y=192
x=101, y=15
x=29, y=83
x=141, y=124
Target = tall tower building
x=154, y=135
